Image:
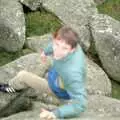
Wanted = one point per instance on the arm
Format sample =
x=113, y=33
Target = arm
x=49, y=49
x=78, y=98
x=45, y=52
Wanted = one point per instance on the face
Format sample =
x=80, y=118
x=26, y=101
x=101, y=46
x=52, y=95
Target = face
x=61, y=49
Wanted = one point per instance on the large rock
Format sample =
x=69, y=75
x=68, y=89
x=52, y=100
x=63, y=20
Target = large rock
x=97, y=80
x=71, y=12
x=103, y=105
x=5, y=98
x=75, y=13
x=18, y=104
x=99, y=108
x=106, y=34
x=12, y=25
x=30, y=62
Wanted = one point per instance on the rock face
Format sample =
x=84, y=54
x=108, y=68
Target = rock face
x=12, y=25
x=99, y=108
x=97, y=80
x=71, y=12
x=106, y=35
x=81, y=15
x=18, y=104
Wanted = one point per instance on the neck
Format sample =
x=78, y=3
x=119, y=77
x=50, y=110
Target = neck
x=66, y=58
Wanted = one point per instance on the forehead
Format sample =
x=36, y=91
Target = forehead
x=62, y=43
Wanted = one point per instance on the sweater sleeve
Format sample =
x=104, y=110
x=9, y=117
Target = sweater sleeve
x=49, y=49
x=78, y=98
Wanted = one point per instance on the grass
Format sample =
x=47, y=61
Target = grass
x=115, y=89
x=6, y=57
x=39, y=23
x=110, y=7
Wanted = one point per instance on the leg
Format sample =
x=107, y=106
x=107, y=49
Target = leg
x=26, y=79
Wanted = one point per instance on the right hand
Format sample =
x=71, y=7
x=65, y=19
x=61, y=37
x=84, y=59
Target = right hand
x=43, y=56
x=47, y=115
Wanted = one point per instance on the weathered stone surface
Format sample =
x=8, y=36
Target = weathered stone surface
x=104, y=29
x=106, y=34
x=99, y=108
x=97, y=80
x=5, y=98
x=12, y=25
x=71, y=12
x=18, y=104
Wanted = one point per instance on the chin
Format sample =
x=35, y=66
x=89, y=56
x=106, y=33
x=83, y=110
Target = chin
x=58, y=58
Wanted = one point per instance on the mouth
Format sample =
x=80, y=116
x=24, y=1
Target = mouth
x=57, y=57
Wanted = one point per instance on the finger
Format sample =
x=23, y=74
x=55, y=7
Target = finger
x=42, y=110
x=51, y=116
x=44, y=60
x=41, y=50
x=44, y=115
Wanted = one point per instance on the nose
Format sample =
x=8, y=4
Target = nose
x=57, y=48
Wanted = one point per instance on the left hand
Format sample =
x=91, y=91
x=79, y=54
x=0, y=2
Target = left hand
x=47, y=115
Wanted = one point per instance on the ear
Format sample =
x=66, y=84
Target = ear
x=72, y=50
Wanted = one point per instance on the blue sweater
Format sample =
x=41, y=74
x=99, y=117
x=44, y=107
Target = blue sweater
x=72, y=70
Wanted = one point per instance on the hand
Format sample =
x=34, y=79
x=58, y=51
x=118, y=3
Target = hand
x=43, y=56
x=46, y=115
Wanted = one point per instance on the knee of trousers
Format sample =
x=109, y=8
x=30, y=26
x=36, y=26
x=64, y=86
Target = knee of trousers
x=22, y=73
x=16, y=81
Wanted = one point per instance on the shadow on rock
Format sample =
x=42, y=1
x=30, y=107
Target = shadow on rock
x=18, y=104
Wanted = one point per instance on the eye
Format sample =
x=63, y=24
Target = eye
x=65, y=48
x=57, y=44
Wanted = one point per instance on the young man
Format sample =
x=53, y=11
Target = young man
x=66, y=77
